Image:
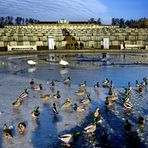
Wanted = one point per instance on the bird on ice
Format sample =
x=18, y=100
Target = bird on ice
x=31, y=62
x=63, y=62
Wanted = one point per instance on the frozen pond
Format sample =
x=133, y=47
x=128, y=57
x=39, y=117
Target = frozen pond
x=16, y=74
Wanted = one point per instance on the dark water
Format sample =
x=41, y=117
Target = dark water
x=15, y=75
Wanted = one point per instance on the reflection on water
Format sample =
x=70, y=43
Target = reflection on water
x=15, y=75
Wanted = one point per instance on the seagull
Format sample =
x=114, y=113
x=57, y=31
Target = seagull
x=64, y=63
x=31, y=62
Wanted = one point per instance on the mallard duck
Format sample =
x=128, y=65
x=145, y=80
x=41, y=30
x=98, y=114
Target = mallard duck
x=24, y=94
x=67, y=80
x=137, y=84
x=105, y=82
x=21, y=127
x=46, y=97
x=128, y=105
x=36, y=112
x=108, y=102
x=32, y=83
x=16, y=103
x=80, y=92
x=97, y=112
x=69, y=138
x=66, y=138
x=54, y=109
x=52, y=84
x=7, y=132
x=97, y=116
x=83, y=84
x=90, y=128
x=110, y=91
x=141, y=122
x=96, y=86
x=67, y=103
x=38, y=88
x=79, y=108
x=113, y=97
x=126, y=99
x=57, y=95
x=145, y=81
x=86, y=100
x=129, y=86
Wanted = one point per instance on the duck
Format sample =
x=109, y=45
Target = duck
x=145, y=81
x=126, y=92
x=69, y=138
x=97, y=116
x=80, y=92
x=57, y=95
x=83, y=84
x=110, y=91
x=125, y=99
x=24, y=94
x=86, y=100
x=113, y=97
x=46, y=97
x=97, y=113
x=105, y=82
x=7, y=132
x=108, y=102
x=128, y=105
x=38, y=88
x=78, y=108
x=137, y=84
x=96, y=86
x=21, y=127
x=36, y=112
x=141, y=122
x=67, y=80
x=90, y=128
x=32, y=83
x=16, y=104
x=129, y=86
x=51, y=84
x=54, y=109
x=67, y=103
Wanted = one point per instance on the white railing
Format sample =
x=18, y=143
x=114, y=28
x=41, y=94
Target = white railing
x=28, y=47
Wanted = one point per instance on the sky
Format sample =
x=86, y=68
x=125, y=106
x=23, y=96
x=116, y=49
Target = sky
x=75, y=10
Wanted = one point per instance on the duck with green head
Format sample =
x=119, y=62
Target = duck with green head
x=57, y=95
x=36, y=112
x=86, y=100
x=78, y=108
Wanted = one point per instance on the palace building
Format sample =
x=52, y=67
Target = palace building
x=70, y=35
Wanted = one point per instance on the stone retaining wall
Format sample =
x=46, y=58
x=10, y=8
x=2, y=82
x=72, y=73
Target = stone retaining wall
x=89, y=34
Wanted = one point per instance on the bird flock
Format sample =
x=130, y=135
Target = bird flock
x=83, y=103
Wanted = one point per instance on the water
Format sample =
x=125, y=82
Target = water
x=15, y=75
